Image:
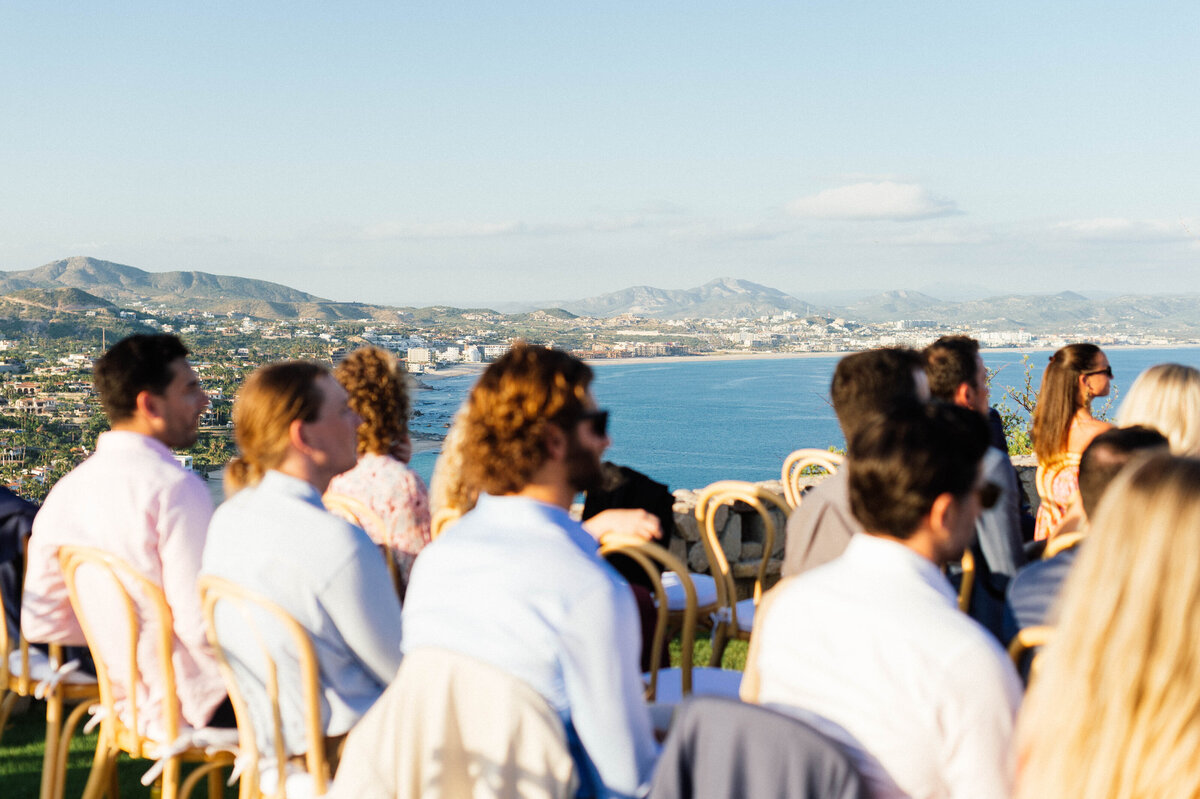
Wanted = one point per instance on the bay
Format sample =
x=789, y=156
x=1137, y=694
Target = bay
x=689, y=423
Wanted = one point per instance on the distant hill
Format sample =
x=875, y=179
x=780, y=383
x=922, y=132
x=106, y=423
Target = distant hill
x=724, y=297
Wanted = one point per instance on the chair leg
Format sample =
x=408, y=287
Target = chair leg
x=216, y=784
x=54, y=710
x=103, y=773
x=170, y=779
x=6, y=706
x=720, y=639
x=59, y=776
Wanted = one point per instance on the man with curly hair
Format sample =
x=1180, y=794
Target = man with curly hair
x=519, y=585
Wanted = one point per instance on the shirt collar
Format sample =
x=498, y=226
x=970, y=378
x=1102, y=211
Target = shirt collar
x=127, y=439
x=276, y=482
x=516, y=507
x=883, y=554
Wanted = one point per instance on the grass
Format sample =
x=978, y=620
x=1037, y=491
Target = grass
x=21, y=752
x=24, y=742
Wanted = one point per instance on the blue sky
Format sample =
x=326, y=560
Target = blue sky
x=476, y=153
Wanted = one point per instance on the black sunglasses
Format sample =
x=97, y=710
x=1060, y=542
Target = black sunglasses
x=597, y=419
x=989, y=494
x=1106, y=371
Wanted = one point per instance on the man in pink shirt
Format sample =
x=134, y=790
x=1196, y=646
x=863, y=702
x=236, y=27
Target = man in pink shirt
x=131, y=498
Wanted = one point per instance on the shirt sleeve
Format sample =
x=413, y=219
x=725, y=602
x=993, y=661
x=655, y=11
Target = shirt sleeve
x=360, y=601
x=46, y=614
x=601, y=642
x=183, y=514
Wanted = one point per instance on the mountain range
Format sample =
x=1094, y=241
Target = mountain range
x=81, y=283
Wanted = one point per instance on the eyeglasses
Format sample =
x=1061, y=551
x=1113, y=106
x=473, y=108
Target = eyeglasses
x=598, y=420
x=989, y=494
x=1106, y=371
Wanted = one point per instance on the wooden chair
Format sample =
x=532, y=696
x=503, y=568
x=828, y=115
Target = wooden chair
x=123, y=725
x=1024, y=645
x=358, y=513
x=734, y=619
x=254, y=612
x=795, y=464
x=1059, y=543
x=26, y=673
x=968, y=581
x=670, y=685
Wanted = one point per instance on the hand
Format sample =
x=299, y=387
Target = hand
x=624, y=521
x=402, y=450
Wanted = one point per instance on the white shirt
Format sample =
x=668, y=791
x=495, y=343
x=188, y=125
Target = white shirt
x=873, y=651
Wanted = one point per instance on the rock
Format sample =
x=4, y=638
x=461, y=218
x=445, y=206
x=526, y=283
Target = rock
x=731, y=537
x=752, y=550
x=678, y=548
x=687, y=526
x=721, y=517
x=697, y=560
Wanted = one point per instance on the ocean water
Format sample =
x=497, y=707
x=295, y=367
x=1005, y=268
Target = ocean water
x=690, y=423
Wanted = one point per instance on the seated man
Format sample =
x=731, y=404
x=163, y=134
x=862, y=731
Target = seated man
x=871, y=648
x=132, y=498
x=295, y=431
x=864, y=384
x=517, y=584
x=1031, y=595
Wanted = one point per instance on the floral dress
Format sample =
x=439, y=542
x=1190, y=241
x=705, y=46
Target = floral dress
x=397, y=495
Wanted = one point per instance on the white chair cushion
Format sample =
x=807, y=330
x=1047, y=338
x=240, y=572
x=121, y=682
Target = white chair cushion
x=40, y=670
x=705, y=682
x=745, y=615
x=706, y=590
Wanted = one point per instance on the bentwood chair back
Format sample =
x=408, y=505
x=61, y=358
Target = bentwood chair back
x=1023, y=649
x=669, y=686
x=359, y=513
x=26, y=672
x=442, y=520
x=1060, y=543
x=803, y=461
x=126, y=725
x=734, y=619
x=968, y=581
x=249, y=611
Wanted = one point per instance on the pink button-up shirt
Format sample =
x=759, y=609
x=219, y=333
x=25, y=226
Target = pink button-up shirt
x=130, y=498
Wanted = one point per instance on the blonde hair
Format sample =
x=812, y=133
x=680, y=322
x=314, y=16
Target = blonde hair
x=271, y=399
x=449, y=490
x=1167, y=398
x=1115, y=710
x=378, y=389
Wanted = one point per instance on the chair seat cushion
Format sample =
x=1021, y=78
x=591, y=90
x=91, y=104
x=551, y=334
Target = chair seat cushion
x=705, y=682
x=706, y=590
x=745, y=615
x=41, y=670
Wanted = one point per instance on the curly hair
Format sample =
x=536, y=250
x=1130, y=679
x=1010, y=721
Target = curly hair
x=378, y=387
x=272, y=397
x=1059, y=398
x=508, y=410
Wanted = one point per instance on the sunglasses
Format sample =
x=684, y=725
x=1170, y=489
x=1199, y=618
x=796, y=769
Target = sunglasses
x=989, y=494
x=598, y=421
x=1106, y=371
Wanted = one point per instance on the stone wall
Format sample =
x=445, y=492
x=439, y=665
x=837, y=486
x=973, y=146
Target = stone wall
x=742, y=535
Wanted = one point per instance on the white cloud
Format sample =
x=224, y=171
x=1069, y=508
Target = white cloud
x=440, y=230
x=1131, y=231
x=873, y=201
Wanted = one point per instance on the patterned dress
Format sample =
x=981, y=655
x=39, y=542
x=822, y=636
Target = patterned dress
x=398, y=496
x=1057, y=484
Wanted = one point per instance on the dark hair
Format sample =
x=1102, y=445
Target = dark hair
x=949, y=362
x=509, y=408
x=1107, y=455
x=1058, y=398
x=868, y=383
x=135, y=364
x=899, y=463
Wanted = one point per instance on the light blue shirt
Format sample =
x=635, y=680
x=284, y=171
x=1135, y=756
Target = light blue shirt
x=277, y=539
x=518, y=584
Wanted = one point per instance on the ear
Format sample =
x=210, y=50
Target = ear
x=146, y=405
x=964, y=395
x=942, y=513
x=554, y=439
x=296, y=436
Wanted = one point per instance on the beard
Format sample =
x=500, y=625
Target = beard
x=583, y=466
